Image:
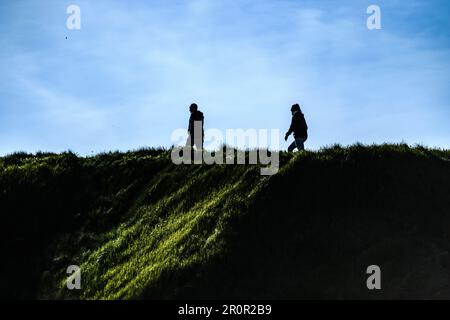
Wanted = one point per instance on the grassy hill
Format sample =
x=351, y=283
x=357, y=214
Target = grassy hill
x=142, y=227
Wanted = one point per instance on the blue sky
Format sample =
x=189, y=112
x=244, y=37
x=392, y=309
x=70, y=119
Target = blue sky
x=126, y=79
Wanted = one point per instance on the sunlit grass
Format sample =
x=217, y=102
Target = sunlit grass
x=142, y=227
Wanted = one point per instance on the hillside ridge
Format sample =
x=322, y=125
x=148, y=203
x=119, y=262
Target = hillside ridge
x=139, y=226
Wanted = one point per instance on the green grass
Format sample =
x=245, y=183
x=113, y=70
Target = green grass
x=141, y=227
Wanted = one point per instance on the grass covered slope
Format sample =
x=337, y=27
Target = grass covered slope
x=142, y=227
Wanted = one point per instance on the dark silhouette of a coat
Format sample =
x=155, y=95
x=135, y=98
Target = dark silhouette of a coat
x=196, y=116
x=298, y=126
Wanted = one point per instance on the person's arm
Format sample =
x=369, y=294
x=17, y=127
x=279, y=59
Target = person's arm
x=190, y=124
x=291, y=129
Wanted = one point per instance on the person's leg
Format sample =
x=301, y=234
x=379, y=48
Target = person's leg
x=188, y=141
x=187, y=150
x=292, y=146
x=300, y=144
x=199, y=144
x=192, y=143
x=197, y=153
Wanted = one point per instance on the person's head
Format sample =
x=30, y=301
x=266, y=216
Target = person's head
x=193, y=107
x=295, y=108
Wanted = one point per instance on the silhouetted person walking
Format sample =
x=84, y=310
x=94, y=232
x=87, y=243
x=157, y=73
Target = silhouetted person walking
x=299, y=128
x=195, y=129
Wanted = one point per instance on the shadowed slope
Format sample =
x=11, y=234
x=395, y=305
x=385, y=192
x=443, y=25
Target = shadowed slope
x=141, y=227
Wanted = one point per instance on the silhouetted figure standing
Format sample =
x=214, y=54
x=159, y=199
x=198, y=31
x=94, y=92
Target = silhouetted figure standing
x=299, y=128
x=195, y=129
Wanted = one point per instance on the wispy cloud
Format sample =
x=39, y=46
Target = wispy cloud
x=126, y=78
